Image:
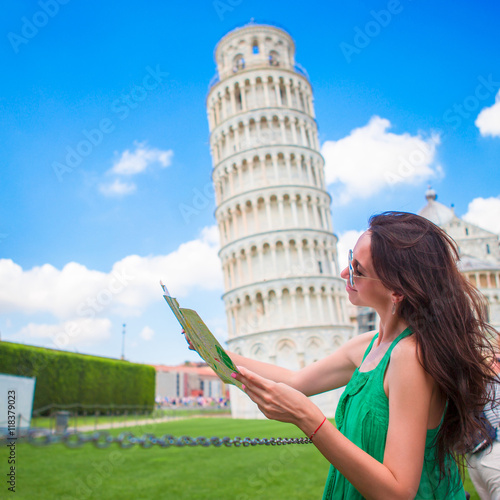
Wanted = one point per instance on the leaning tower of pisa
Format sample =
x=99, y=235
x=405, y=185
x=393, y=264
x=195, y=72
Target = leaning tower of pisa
x=284, y=299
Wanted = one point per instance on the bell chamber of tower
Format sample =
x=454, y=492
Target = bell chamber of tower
x=285, y=302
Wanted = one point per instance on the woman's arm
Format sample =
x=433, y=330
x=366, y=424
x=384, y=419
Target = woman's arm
x=410, y=390
x=326, y=374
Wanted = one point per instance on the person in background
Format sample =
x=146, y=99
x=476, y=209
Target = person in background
x=484, y=460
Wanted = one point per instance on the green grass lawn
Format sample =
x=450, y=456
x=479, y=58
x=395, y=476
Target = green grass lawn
x=260, y=472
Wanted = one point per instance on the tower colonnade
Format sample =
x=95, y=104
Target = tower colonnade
x=272, y=210
x=270, y=89
x=285, y=302
x=279, y=303
x=272, y=166
x=261, y=258
x=265, y=127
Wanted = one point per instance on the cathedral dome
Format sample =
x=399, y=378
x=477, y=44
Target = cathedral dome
x=434, y=210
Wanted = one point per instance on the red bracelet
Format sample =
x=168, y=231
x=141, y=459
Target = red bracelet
x=319, y=427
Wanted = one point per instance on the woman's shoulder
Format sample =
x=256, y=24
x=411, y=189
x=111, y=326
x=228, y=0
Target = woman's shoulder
x=406, y=351
x=357, y=346
x=406, y=358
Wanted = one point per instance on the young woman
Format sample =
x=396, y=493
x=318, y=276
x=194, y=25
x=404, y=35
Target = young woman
x=412, y=388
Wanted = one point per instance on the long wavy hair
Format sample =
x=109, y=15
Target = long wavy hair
x=448, y=315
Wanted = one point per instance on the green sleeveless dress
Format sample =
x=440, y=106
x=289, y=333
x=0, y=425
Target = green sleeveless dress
x=363, y=417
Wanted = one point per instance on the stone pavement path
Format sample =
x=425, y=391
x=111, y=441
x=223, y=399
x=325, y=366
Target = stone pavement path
x=135, y=423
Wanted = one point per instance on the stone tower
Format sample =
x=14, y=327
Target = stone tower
x=284, y=299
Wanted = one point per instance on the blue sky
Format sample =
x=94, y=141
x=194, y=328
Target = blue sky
x=105, y=165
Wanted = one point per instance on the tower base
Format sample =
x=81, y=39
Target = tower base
x=243, y=407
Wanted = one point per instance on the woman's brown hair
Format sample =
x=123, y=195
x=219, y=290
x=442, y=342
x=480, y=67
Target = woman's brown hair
x=448, y=315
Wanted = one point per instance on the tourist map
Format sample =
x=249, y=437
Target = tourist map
x=203, y=341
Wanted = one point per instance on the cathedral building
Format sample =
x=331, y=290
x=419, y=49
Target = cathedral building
x=479, y=251
x=285, y=301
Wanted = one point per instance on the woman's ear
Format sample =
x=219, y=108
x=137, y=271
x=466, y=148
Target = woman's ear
x=397, y=297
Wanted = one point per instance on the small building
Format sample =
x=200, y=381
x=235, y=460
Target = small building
x=187, y=382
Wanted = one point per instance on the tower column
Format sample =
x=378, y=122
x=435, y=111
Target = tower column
x=275, y=167
x=281, y=212
x=248, y=253
x=256, y=104
x=266, y=93
x=268, y=213
x=331, y=308
x=294, y=132
x=287, y=256
x=293, y=203
x=276, y=93
x=233, y=101
x=288, y=164
x=283, y=131
x=307, y=298
x=306, y=211
x=243, y=98
x=319, y=297
x=273, y=254
x=247, y=133
x=260, y=252
x=300, y=254
x=293, y=297
x=288, y=95
x=255, y=205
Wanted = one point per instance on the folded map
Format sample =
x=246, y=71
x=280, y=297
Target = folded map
x=203, y=341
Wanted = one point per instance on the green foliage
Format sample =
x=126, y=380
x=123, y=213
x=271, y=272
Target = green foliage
x=66, y=378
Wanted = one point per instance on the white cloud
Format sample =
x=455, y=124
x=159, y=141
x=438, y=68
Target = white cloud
x=134, y=162
x=485, y=213
x=147, y=333
x=371, y=158
x=488, y=120
x=130, y=286
x=117, y=188
x=81, y=332
x=345, y=243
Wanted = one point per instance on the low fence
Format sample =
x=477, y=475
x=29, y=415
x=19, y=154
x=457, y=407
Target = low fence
x=64, y=418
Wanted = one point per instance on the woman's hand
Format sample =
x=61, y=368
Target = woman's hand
x=190, y=345
x=279, y=401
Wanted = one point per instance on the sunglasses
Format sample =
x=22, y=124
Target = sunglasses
x=351, y=272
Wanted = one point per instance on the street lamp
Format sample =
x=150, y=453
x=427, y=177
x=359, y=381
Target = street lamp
x=123, y=341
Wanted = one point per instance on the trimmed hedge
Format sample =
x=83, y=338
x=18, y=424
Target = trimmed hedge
x=66, y=378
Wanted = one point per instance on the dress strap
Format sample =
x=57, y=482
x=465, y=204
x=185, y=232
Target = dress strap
x=405, y=333
x=385, y=360
x=369, y=348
